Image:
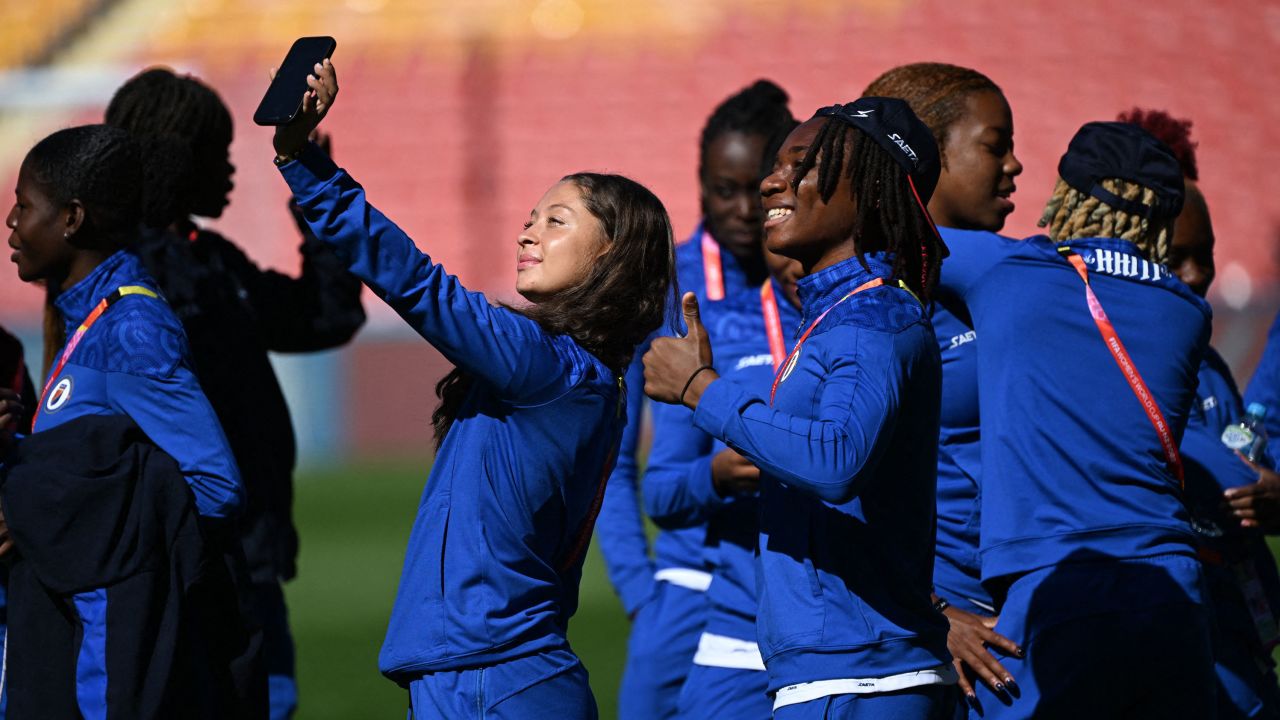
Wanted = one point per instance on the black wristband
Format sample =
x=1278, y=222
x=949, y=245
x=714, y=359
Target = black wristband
x=941, y=605
x=690, y=382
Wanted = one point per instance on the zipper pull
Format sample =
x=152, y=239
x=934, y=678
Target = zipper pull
x=622, y=394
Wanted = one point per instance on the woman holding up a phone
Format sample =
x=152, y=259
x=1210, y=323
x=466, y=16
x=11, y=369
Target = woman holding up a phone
x=527, y=426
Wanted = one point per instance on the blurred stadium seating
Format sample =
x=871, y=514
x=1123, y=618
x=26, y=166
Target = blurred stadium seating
x=457, y=115
x=30, y=32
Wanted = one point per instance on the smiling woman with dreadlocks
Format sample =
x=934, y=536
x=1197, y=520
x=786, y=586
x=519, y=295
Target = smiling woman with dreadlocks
x=1087, y=363
x=846, y=440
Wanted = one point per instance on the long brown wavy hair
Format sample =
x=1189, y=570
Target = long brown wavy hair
x=623, y=297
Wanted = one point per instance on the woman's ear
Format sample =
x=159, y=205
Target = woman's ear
x=73, y=218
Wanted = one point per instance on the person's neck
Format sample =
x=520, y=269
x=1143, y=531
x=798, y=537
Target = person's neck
x=83, y=263
x=753, y=268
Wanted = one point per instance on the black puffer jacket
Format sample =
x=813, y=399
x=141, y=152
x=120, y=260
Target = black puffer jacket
x=234, y=313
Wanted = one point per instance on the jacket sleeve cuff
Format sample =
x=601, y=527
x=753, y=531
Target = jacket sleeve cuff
x=720, y=402
x=309, y=173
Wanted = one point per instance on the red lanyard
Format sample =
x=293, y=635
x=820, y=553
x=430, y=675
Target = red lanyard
x=772, y=324
x=96, y=313
x=795, y=352
x=1127, y=367
x=711, y=267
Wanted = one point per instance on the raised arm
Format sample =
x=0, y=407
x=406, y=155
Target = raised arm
x=502, y=348
x=824, y=455
x=505, y=349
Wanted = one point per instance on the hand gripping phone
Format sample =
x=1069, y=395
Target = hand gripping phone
x=283, y=99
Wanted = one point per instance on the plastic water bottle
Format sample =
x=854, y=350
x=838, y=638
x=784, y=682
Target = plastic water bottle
x=1248, y=437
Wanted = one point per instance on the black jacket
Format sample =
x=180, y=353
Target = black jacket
x=234, y=313
x=105, y=527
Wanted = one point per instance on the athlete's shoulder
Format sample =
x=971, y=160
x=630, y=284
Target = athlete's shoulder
x=885, y=309
x=140, y=335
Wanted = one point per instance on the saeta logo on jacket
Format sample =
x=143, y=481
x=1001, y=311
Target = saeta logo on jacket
x=60, y=395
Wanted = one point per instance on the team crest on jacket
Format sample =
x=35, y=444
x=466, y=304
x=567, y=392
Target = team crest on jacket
x=60, y=395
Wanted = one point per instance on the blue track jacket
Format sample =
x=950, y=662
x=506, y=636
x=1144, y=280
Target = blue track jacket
x=848, y=455
x=511, y=490
x=957, y=573
x=621, y=536
x=1264, y=386
x=1071, y=466
x=134, y=361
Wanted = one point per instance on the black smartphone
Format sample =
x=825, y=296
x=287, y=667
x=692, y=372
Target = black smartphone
x=283, y=100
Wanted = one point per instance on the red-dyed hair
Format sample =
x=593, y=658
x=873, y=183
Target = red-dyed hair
x=1174, y=132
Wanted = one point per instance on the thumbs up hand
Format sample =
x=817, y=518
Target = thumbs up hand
x=677, y=370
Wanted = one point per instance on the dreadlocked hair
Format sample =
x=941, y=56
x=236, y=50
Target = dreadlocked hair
x=1071, y=214
x=1173, y=132
x=889, y=215
x=938, y=93
x=188, y=130
x=756, y=110
x=622, y=299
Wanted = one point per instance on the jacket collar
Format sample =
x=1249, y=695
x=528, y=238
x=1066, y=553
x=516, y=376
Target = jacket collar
x=824, y=288
x=76, y=302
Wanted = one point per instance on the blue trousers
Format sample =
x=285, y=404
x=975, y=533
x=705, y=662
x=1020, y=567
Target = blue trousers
x=664, y=638
x=715, y=692
x=1108, y=639
x=927, y=702
x=549, y=686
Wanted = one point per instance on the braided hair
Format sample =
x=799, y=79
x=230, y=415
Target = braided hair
x=193, y=129
x=1071, y=214
x=938, y=93
x=756, y=110
x=100, y=167
x=890, y=217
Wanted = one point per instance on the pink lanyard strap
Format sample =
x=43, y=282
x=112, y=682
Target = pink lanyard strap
x=772, y=324
x=88, y=322
x=1130, y=371
x=795, y=352
x=711, y=267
